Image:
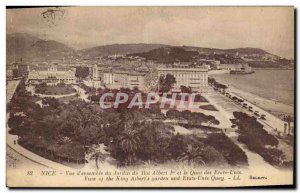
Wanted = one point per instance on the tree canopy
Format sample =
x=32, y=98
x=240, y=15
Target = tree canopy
x=166, y=83
x=82, y=72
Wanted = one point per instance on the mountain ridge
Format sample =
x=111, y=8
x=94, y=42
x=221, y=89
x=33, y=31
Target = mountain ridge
x=23, y=46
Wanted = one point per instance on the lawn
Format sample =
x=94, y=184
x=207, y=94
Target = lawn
x=54, y=90
x=200, y=98
x=67, y=99
x=208, y=107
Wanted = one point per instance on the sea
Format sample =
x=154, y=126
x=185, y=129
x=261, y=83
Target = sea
x=267, y=83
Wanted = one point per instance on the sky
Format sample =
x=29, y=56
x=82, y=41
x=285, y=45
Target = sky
x=268, y=28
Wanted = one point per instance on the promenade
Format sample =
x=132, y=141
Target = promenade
x=271, y=122
x=227, y=107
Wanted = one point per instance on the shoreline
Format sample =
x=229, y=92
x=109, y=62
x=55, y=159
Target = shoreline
x=212, y=72
x=276, y=108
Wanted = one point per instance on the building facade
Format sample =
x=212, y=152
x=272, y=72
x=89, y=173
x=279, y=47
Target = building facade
x=51, y=74
x=116, y=78
x=125, y=79
x=196, y=78
x=236, y=67
x=108, y=78
x=136, y=79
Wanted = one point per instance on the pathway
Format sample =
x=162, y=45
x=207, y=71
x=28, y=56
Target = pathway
x=271, y=120
x=81, y=93
x=226, y=106
x=10, y=89
x=11, y=141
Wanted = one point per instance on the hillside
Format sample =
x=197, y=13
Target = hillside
x=172, y=54
x=168, y=55
x=118, y=49
x=240, y=51
x=27, y=47
x=254, y=56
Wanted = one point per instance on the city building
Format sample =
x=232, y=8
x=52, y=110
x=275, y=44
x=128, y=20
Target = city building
x=136, y=79
x=125, y=79
x=51, y=74
x=119, y=77
x=210, y=64
x=108, y=77
x=196, y=78
x=242, y=69
x=16, y=70
x=96, y=73
x=229, y=66
x=238, y=67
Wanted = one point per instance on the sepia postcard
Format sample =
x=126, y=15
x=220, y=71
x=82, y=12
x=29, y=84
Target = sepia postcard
x=150, y=97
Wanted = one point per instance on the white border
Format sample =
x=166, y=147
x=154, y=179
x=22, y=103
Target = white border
x=4, y=3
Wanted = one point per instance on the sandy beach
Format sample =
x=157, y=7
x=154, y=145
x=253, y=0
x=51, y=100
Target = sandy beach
x=269, y=89
x=276, y=108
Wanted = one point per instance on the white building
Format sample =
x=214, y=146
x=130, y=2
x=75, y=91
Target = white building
x=236, y=67
x=108, y=78
x=116, y=78
x=196, y=78
x=96, y=76
x=136, y=79
x=125, y=79
x=51, y=74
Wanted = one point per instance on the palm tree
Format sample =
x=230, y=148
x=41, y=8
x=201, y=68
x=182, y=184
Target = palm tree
x=190, y=153
x=129, y=143
x=98, y=156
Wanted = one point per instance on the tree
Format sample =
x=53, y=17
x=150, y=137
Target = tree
x=193, y=151
x=156, y=137
x=51, y=102
x=151, y=79
x=82, y=72
x=288, y=119
x=125, y=90
x=185, y=89
x=82, y=123
x=136, y=89
x=166, y=83
x=15, y=123
x=211, y=81
x=173, y=114
x=97, y=154
x=130, y=143
x=212, y=120
x=176, y=146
